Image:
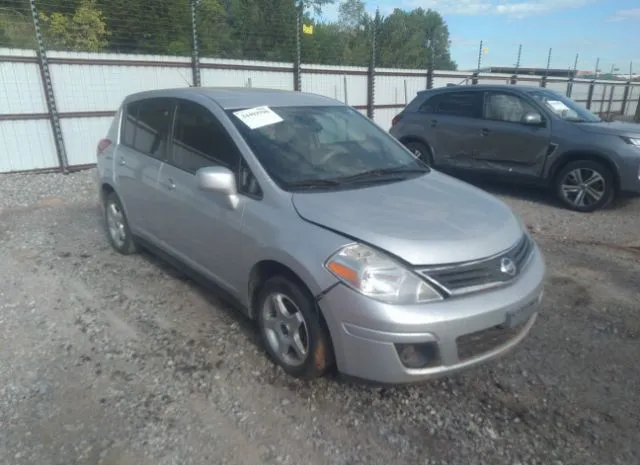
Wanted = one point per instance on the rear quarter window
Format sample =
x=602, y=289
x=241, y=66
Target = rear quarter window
x=146, y=126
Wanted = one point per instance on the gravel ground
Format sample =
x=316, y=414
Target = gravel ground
x=112, y=360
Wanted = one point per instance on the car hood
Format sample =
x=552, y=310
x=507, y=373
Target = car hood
x=432, y=219
x=616, y=128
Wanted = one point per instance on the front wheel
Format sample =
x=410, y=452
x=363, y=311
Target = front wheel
x=420, y=151
x=291, y=328
x=585, y=186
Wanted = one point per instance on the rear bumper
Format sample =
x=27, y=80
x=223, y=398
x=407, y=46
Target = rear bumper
x=369, y=337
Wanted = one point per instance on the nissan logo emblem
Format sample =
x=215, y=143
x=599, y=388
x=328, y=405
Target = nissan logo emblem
x=508, y=266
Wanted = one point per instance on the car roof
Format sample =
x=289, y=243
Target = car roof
x=455, y=88
x=242, y=97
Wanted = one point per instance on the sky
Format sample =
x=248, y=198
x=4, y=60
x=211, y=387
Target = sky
x=592, y=29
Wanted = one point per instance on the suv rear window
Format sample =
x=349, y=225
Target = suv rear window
x=146, y=126
x=466, y=104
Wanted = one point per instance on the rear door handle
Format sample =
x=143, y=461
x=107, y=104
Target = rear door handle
x=434, y=123
x=485, y=131
x=122, y=162
x=170, y=184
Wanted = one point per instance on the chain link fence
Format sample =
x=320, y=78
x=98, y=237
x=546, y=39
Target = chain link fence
x=65, y=65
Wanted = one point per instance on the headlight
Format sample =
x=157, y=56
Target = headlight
x=377, y=276
x=631, y=140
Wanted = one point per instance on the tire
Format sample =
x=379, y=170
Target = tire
x=577, y=174
x=292, y=330
x=420, y=151
x=117, y=226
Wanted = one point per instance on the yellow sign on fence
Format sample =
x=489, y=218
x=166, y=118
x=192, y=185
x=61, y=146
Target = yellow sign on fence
x=307, y=29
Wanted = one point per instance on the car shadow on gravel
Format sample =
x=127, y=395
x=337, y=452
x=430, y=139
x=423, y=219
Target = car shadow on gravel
x=214, y=296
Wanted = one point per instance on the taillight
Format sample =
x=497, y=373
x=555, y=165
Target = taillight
x=103, y=145
x=395, y=119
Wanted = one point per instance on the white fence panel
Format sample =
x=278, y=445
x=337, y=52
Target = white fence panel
x=81, y=137
x=345, y=83
x=80, y=85
x=90, y=86
x=239, y=73
x=26, y=145
x=21, y=88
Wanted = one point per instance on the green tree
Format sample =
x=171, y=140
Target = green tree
x=16, y=29
x=84, y=30
x=402, y=40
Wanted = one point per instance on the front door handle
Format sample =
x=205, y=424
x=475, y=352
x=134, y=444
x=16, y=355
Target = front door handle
x=122, y=162
x=485, y=131
x=434, y=123
x=170, y=184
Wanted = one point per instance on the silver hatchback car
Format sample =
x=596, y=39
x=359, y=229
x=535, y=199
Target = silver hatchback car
x=322, y=227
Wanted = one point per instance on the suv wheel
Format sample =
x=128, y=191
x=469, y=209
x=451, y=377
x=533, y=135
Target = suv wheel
x=585, y=186
x=420, y=151
x=117, y=226
x=291, y=329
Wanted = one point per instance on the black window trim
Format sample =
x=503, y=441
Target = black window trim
x=236, y=170
x=522, y=96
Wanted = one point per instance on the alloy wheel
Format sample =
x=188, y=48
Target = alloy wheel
x=583, y=187
x=116, y=224
x=285, y=329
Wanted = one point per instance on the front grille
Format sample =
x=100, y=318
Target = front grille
x=479, y=343
x=463, y=278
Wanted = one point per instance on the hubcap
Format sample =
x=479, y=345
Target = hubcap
x=583, y=187
x=115, y=223
x=285, y=329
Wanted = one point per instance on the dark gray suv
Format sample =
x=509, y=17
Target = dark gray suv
x=525, y=134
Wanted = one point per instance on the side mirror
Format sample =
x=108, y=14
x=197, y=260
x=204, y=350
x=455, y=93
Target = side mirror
x=533, y=119
x=220, y=180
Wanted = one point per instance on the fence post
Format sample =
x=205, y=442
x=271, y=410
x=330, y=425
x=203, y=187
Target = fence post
x=569, y=86
x=297, y=85
x=371, y=76
x=195, y=47
x=474, y=78
x=54, y=117
x=613, y=88
x=625, y=97
x=592, y=86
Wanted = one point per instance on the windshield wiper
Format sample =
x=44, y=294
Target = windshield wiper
x=314, y=183
x=383, y=174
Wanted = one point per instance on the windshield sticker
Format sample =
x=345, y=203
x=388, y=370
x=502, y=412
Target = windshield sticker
x=258, y=117
x=557, y=105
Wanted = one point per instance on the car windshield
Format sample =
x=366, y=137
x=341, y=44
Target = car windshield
x=323, y=147
x=564, y=107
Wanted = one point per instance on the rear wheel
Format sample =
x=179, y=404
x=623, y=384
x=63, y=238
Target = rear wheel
x=585, y=186
x=291, y=328
x=420, y=151
x=117, y=226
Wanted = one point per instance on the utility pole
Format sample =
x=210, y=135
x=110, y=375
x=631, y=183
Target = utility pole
x=597, y=67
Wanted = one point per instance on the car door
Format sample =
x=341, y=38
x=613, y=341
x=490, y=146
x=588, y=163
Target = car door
x=509, y=143
x=453, y=122
x=142, y=150
x=199, y=227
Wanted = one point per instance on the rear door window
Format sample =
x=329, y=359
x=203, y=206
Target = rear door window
x=464, y=104
x=147, y=125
